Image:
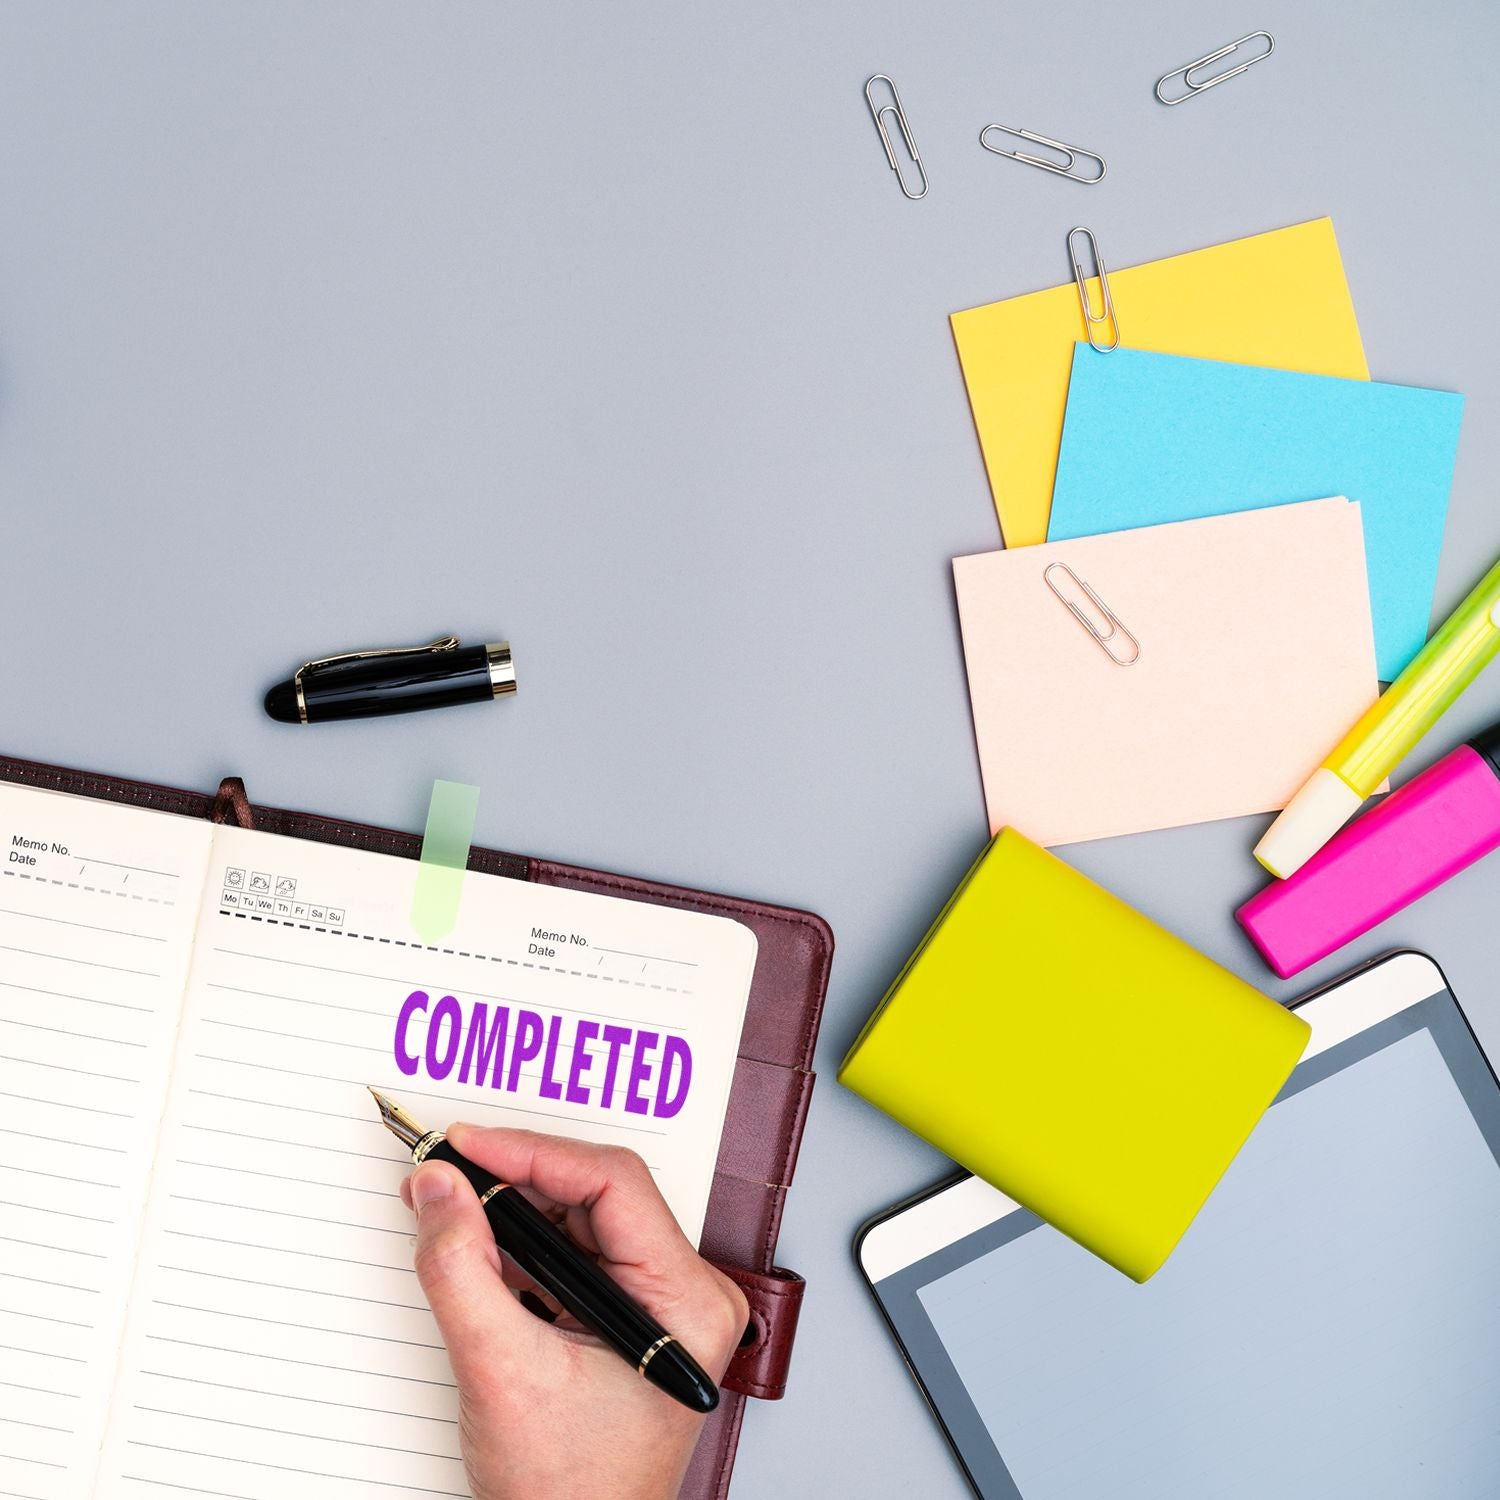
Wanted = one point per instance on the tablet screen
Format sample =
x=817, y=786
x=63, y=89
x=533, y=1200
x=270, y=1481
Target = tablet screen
x=1330, y=1325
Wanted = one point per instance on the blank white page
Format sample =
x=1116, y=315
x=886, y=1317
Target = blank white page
x=279, y=1342
x=97, y=908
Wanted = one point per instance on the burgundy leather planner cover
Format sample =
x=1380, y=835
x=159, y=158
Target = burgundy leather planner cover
x=768, y=1101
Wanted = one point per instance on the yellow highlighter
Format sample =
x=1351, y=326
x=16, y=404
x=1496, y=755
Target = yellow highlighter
x=1462, y=646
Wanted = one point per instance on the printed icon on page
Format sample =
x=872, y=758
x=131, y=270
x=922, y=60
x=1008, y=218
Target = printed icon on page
x=286, y=886
x=234, y=879
x=260, y=882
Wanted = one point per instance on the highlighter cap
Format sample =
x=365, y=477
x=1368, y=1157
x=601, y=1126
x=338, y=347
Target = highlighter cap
x=1488, y=745
x=1324, y=804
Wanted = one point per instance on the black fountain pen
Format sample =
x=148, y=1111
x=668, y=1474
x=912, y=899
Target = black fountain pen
x=396, y=680
x=560, y=1268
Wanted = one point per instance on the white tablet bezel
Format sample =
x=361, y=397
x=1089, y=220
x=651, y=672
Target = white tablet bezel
x=1351, y=1004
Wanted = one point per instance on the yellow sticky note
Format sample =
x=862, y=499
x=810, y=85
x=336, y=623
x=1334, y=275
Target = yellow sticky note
x=1277, y=299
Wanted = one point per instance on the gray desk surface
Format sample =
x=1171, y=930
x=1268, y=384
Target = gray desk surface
x=605, y=327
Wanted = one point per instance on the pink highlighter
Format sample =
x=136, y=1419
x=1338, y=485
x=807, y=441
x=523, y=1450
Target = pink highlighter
x=1439, y=823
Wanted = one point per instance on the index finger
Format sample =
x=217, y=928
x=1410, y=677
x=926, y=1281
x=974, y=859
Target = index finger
x=628, y=1216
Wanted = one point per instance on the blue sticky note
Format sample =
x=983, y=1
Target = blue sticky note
x=1151, y=438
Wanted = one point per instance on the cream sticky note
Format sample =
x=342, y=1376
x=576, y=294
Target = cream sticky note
x=1277, y=299
x=1253, y=653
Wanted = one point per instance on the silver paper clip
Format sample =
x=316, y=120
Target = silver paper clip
x=897, y=112
x=1063, y=169
x=1107, y=314
x=1103, y=638
x=1194, y=87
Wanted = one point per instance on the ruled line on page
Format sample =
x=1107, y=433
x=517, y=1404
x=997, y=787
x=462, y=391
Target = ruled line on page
x=33, y=1062
x=282, y=1286
x=283, y=1213
x=82, y=1036
x=88, y=963
x=296, y=1036
x=93, y=890
x=66, y=1249
x=191, y=1489
x=117, y=1114
x=135, y=869
x=428, y=984
x=423, y=1019
x=315, y=1437
x=301, y=1109
x=271, y=1140
x=338, y=1187
x=60, y=1213
x=655, y=958
x=250, y=1390
x=71, y=1359
x=57, y=1140
x=311, y=1364
x=65, y=1286
x=385, y=1484
x=510, y=1109
x=491, y=958
x=345, y=1260
x=347, y=1333
x=31, y=989
x=41, y=1390
x=357, y=1010
x=45, y=1318
x=34, y=916
x=415, y=1023
x=5, y=1166
x=39, y=1426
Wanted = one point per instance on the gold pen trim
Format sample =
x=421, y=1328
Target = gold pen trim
x=502, y=668
x=426, y=1144
x=650, y=1354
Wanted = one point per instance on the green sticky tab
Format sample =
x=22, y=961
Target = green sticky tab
x=445, y=855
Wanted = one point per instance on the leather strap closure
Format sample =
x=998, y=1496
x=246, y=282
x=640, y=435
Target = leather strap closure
x=759, y=1366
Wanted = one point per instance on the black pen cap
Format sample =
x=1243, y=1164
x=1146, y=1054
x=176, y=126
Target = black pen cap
x=281, y=703
x=367, y=684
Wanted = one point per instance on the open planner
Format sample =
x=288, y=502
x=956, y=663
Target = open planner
x=205, y=1271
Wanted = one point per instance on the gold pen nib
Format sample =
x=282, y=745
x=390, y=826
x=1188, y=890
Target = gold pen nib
x=396, y=1120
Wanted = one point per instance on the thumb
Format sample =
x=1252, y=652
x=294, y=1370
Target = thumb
x=487, y=1332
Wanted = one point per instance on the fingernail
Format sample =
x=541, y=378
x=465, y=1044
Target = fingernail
x=428, y=1186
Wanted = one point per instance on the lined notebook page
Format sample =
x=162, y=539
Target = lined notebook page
x=97, y=908
x=279, y=1342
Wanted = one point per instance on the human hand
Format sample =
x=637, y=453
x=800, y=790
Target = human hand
x=547, y=1411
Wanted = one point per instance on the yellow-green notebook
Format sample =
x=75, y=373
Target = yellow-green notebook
x=1068, y=1050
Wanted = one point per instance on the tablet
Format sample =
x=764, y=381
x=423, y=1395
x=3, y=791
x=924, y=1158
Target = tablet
x=1328, y=1327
